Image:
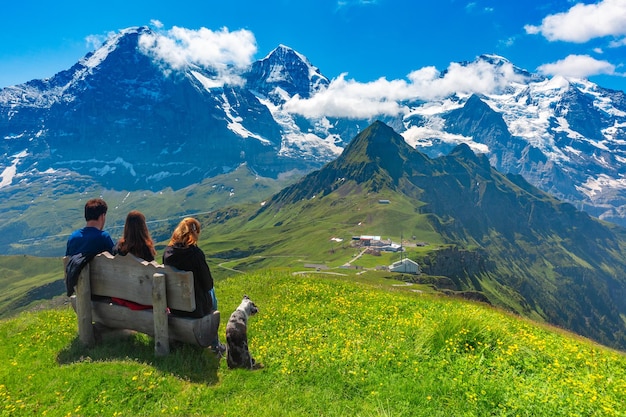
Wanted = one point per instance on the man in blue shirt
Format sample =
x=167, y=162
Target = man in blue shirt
x=91, y=239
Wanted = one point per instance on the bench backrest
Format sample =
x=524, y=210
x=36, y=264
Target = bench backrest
x=130, y=278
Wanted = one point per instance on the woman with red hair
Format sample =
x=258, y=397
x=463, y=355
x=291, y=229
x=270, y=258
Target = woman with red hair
x=183, y=253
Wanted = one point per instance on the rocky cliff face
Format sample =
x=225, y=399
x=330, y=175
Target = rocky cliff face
x=284, y=73
x=458, y=264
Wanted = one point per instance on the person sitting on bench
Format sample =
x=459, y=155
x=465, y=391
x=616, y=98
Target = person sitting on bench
x=183, y=253
x=136, y=240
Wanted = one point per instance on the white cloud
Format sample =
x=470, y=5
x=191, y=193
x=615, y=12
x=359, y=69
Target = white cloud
x=584, y=22
x=156, y=23
x=222, y=51
x=349, y=3
x=578, y=66
x=617, y=43
x=474, y=7
x=477, y=77
x=508, y=42
x=349, y=98
x=94, y=42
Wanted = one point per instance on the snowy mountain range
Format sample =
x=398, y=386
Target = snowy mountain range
x=128, y=119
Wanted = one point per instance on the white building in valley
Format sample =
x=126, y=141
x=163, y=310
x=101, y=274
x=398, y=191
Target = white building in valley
x=406, y=266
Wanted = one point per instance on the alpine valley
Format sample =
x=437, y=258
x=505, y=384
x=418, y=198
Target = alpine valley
x=517, y=192
x=488, y=236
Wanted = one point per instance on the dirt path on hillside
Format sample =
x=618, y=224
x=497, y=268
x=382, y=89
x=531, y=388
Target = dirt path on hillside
x=349, y=263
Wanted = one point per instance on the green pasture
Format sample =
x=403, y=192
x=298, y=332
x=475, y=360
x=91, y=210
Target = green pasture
x=331, y=346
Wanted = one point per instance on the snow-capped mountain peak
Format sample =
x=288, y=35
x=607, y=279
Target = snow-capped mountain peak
x=494, y=59
x=285, y=71
x=115, y=42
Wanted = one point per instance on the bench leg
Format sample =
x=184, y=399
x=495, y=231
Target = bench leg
x=83, y=309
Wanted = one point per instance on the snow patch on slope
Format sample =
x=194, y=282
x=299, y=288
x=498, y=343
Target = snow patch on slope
x=6, y=178
x=234, y=123
x=207, y=82
x=594, y=187
x=319, y=144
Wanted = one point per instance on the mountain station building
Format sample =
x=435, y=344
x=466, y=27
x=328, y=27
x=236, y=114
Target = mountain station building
x=406, y=266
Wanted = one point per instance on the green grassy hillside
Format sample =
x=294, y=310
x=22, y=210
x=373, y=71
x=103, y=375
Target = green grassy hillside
x=36, y=219
x=28, y=279
x=331, y=346
x=565, y=280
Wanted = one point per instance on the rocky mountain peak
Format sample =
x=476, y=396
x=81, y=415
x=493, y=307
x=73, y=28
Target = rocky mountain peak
x=503, y=64
x=375, y=141
x=493, y=59
x=285, y=71
x=374, y=159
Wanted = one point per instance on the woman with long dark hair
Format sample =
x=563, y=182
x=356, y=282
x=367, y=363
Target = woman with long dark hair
x=136, y=240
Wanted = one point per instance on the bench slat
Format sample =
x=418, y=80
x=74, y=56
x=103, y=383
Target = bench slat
x=201, y=332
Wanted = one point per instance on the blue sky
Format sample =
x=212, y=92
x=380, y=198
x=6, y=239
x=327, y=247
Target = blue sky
x=362, y=39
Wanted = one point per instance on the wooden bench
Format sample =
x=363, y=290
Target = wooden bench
x=146, y=283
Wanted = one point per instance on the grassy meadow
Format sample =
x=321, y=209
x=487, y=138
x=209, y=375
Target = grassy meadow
x=21, y=275
x=331, y=346
x=37, y=219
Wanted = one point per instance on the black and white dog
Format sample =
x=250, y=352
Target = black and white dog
x=238, y=355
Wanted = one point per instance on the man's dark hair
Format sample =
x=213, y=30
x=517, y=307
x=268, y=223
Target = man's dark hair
x=94, y=208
